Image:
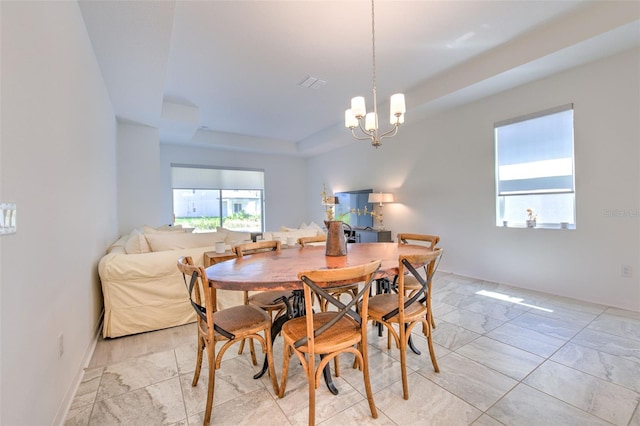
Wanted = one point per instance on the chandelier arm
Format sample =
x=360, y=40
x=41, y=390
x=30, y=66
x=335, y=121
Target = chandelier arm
x=366, y=138
x=390, y=133
x=365, y=131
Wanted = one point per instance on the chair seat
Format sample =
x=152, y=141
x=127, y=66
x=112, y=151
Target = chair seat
x=241, y=320
x=411, y=283
x=382, y=304
x=343, y=334
x=265, y=299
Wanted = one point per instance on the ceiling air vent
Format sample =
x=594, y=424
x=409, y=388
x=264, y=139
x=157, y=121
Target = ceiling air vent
x=312, y=83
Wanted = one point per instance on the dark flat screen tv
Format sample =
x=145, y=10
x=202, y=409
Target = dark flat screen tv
x=354, y=200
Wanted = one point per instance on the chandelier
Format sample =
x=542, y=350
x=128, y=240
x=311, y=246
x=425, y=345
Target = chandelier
x=353, y=116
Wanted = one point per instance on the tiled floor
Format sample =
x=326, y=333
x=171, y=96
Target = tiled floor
x=507, y=356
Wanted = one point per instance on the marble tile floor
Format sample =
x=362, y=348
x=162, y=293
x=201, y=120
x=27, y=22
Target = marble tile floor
x=507, y=356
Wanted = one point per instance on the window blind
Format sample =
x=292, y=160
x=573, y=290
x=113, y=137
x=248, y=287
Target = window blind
x=534, y=154
x=203, y=177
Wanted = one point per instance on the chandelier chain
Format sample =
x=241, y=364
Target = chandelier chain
x=373, y=43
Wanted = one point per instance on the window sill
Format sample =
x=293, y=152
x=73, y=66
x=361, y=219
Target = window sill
x=557, y=226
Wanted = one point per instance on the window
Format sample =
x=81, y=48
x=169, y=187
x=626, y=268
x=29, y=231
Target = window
x=205, y=198
x=535, y=169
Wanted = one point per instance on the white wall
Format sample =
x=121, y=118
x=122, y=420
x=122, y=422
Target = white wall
x=138, y=177
x=442, y=173
x=285, y=180
x=58, y=165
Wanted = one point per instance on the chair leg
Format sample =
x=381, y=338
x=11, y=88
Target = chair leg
x=196, y=373
x=311, y=378
x=432, y=351
x=210, y=385
x=252, y=349
x=432, y=321
x=403, y=360
x=285, y=370
x=271, y=366
x=367, y=380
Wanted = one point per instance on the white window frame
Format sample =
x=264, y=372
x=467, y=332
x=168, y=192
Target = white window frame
x=222, y=180
x=535, y=169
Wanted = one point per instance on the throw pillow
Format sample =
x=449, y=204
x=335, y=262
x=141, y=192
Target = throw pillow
x=137, y=243
x=234, y=236
x=164, y=228
x=163, y=241
x=119, y=243
x=317, y=227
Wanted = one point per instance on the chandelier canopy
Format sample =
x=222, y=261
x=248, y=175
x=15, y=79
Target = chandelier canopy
x=353, y=116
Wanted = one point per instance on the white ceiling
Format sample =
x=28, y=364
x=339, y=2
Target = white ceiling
x=226, y=74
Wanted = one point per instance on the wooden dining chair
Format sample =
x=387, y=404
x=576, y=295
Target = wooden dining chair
x=311, y=240
x=411, y=284
x=229, y=325
x=269, y=301
x=329, y=334
x=350, y=290
x=406, y=312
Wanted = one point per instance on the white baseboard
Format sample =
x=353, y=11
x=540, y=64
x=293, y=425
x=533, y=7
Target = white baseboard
x=63, y=410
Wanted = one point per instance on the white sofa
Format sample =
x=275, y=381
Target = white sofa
x=142, y=287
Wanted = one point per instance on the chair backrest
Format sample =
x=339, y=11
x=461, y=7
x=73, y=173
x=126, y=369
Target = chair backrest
x=195, y=279
x=308, y=240
x=318, y=281
x=409, y=264
x=430, y=240
x=406, y=238
x=198, y=287
x=257, y=247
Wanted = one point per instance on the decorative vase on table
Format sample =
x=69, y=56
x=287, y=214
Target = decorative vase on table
x=336, y=244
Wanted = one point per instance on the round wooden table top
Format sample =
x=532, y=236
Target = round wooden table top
x=279, y=270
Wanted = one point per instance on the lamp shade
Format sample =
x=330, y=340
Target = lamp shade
x=381, y=197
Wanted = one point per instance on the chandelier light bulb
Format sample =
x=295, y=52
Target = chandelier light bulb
x=397, y=104
x=350, y=120
x=371, y=122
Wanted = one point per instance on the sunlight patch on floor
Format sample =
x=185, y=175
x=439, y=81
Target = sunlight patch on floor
x=511, y=299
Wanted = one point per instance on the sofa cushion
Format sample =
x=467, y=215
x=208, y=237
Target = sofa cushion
x=162, y=241
x=120, y=243
x=164, y=228
x=315, y=226
x=234, y=236
x=137, y=243
x=299, y=233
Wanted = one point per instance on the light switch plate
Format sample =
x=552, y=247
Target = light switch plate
x=7, y=218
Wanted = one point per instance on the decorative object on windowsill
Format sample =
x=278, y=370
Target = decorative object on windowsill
x=353, y=116
x=531, y=219
x=328, y=201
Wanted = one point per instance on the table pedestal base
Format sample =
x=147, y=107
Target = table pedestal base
x=295, y=308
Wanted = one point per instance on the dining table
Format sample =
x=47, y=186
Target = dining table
x=278, y=270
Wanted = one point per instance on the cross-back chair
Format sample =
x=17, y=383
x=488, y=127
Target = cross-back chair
x=350, y=290
x=229, y=325
x=269, y=301
x=405, y=312
x=310, y=240
x=411, y=284
x=331, y=333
